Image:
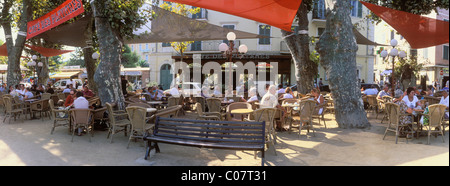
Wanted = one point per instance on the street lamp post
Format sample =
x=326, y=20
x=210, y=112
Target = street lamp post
x=35, y=66
x=394, y=53
x=228, y=51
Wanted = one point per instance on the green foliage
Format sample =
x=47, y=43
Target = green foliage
x=130, y=59
x=124, y=16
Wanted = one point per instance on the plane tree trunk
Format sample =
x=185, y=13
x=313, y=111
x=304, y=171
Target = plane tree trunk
x=107, y=75
x=298, y=45
x=337, y=48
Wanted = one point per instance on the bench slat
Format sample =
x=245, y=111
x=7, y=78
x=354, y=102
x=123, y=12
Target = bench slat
x=210, y=139
x=223, y=145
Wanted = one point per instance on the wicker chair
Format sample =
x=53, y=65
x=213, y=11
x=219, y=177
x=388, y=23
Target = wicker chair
x=372, y=100
x=321, y=116
x=59, y=117
x=82, y=118
x=139, y=126
x=435, y=115
x=118, y=122
x=40, y=106
x=206, y=115
x=238, y=105
x=268, y=116
x=9, y=109
x=305, y=111
x=394, y=124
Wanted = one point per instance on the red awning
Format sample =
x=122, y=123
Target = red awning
x=419, y=31
x=48, y=52
x=277, y=13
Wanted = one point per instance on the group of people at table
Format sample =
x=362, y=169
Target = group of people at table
x=270, y=99
x=409, y=101
x=75, y=99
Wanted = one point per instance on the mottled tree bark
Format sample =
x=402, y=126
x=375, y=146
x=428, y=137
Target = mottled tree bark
x=107, y=75
x=90, y=63
x=298, y=45
x=15, y=49
x=337, y=48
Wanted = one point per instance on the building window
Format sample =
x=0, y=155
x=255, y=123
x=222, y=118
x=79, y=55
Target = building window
x=319, y=10
x=264, y=30
x=320, y=31
x=231, y=27
x=445, y=52
x=132, y=48
x=167, y=44
x=202, y=14
x=356, y=9
x=196, y=46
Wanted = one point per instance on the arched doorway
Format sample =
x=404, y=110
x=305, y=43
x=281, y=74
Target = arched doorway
x=165, y=76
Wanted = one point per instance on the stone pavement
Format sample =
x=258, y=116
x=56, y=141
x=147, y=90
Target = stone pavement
x=30, y=144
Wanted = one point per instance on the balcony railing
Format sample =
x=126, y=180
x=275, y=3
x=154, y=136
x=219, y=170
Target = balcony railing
x=209, y=46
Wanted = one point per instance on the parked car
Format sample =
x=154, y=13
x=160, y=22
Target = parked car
x=61, y=84
x=323, y=88
x=326, y=88
x=189, y=88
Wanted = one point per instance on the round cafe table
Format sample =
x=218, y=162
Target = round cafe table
x=241, y=112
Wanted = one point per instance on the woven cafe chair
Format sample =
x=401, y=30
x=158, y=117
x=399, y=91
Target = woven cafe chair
x=118, y=122
x=305, y=112
x=394, y=124
x=435, y=118
x=59, y=117
x=10, y=111
x=82, y=118
x=139, y=126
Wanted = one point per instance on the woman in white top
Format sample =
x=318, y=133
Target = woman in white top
x=288, y=93
x=252, y=94
x=410, y=98
x=444, y=101
x=319, y=98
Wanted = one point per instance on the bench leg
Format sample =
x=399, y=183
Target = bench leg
x=262, y=158
x=150, y=147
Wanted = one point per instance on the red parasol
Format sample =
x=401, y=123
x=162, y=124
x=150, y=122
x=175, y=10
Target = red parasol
x=419, y=31
x=278, y=13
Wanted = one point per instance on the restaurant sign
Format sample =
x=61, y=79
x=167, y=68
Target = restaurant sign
x=64, y=12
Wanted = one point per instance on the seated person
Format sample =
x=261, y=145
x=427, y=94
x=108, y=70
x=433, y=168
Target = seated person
x=269, y=100
x=370, y=91
x=50, y=89
x=69, y=98
x=384, y=92
x=87, y=93
x=288, y=93
x=252, y=94
x=444, y=101
x=67, y=89
x=28, y=94
x=217, y=92
x=80, y=102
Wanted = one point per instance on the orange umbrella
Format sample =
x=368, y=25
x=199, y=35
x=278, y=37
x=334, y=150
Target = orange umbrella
x=419, y=31
x=278, y=13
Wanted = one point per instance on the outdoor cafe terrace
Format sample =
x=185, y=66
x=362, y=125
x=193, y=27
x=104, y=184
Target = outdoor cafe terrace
x=294, y=133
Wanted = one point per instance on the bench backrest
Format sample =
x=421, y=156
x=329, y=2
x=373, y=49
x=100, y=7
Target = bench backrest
x=230, y=132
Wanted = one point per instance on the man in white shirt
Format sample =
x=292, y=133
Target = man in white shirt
x=174, y=91
x=444, y=101
x=269, y=100
x=281, y=90
x=28, y=94
x=384, y=92
x=371, y=91
x=80, y=102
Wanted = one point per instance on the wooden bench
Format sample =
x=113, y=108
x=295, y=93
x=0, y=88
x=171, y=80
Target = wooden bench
x=208, y=134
